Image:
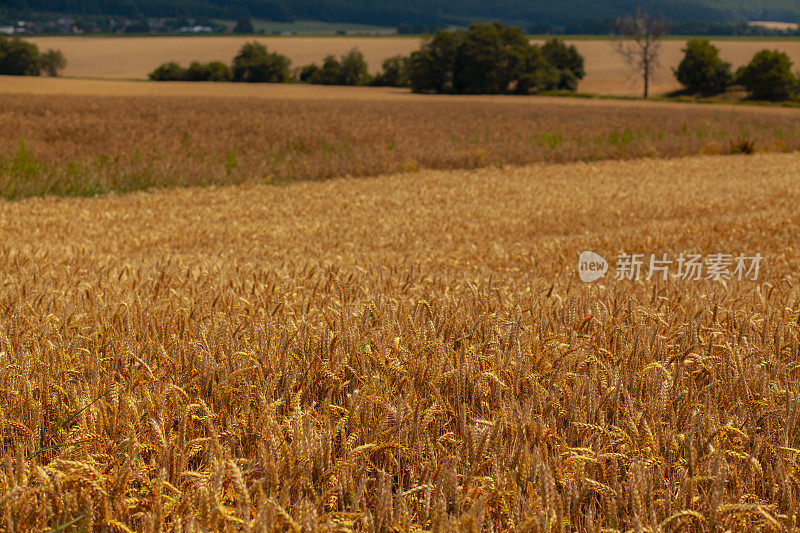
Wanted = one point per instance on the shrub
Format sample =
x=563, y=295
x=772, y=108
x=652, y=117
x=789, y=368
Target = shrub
x=328, y=74
x=308, y=72
x=53, y=61
x=218, y=71
x=567, y=60
x=214, y=71
x=254, y=63
x=769, y=76
x=492, y=58
x=196, y=72
x=21, y=58
x=394, y=72
x=350, y=69
x=701, y=70
x=168, y=72
x=354, y=69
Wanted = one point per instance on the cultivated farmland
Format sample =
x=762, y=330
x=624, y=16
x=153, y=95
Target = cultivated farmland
x=258, y=307
x=410, y=351
x=81, y=145
x=134, y=58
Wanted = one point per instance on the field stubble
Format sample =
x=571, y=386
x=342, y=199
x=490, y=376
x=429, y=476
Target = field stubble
x=408, y=351
x=72, y=145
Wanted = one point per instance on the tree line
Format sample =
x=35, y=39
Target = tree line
x=768, y=76
x=21, y=58
x=491, y=58
x=394, y=12
x=487, y=58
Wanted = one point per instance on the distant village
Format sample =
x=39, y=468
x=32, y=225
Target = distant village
x=123, y=25
x=107, y=24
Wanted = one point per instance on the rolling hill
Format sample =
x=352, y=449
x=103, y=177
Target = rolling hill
x=393, y=12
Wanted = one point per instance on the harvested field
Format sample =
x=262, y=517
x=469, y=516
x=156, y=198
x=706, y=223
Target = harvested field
x=81, y=145
x=783, y=26
x=410, y=351
x=135, y=57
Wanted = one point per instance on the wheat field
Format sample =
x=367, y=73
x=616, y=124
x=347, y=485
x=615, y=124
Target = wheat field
x=67, y=145
x=406, y=352
x=135, y=57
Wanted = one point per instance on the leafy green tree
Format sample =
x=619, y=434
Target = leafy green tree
x=394, y=72
x=329, y=73
x=168, y=72
x=197, y=71
x=701, y=70
x=538, y=74
x=214, y=71
x=218, y=71
x=567, y=60
x=53, y=62
x=491, y=58
x=433, y=66
x=350, y=69
x=19, y=58
x=308, y=72
x=353, y=69
x=244, y=25
x=254, y=63
x=769, y=76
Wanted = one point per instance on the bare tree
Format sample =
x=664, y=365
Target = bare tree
x=639, y=42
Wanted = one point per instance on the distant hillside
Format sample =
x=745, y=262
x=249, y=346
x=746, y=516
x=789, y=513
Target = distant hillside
x=393, y=12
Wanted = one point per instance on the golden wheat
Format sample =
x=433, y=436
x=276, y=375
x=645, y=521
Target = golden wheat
x=135, y=57
x=402, y=353
x=85, y=145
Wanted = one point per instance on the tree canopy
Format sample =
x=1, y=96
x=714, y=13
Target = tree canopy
x=769, y=76
x=22, y=58
x=701, y=70
x=491, y=59
x=254, y=63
